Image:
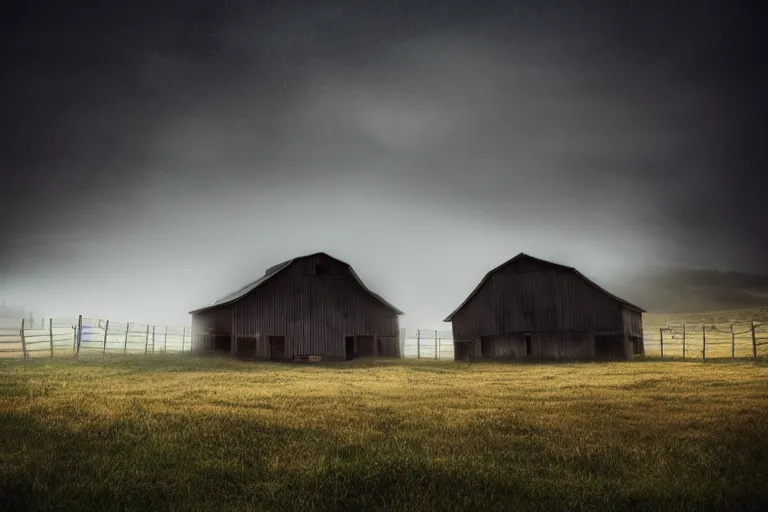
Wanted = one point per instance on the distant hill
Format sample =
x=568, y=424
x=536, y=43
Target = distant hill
x=675, y=291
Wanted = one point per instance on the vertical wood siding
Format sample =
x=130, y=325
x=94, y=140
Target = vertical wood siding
x=555, y=306
x=314, y=313
x=633, y=322
x=633, y=329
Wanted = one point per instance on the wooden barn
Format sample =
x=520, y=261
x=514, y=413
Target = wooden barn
x=306, y=307
x=532, y=308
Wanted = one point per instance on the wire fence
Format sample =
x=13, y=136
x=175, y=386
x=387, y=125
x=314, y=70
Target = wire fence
x=55, y=337
x=426, y=343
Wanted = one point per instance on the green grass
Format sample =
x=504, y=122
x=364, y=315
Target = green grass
x=184, y=433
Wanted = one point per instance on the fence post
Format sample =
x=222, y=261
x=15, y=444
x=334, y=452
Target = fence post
x=74, y=339
x=146, y=342
x=704, y=342
x=733, y=344
x=418, y=344
x=436, y=348
x=50, y=333
x=661, y=341
x=79, y=333
x=683, y=342
x=23, y=341
x=106, y=331
x=754, y=342
x=183, y=338
x=165, y=340
x=153, y=339
x=125, y=344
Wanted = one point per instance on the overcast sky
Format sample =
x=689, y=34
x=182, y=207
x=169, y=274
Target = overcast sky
x=158, y=155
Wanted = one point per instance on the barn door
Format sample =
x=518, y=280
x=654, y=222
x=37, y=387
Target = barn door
x=487, y=346
x=349, y=348
x=608, y=347
x=365, y=346
x=222, y=343
x=277, y=348
x=462, y=350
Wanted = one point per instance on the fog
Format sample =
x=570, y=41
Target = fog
x=156, y=166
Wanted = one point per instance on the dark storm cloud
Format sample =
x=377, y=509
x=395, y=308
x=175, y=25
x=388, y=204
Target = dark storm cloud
x=635, y=125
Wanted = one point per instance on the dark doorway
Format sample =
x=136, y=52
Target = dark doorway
x=349, y=348
x=608, y=347
x=462, y=350
x=528, y=345
x=222, y=343
x=378, y=347
x=365, y=346
x=486, y=347
x=246, y=348
x=277, y=348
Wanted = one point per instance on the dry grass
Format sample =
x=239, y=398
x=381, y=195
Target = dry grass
x=184, y=433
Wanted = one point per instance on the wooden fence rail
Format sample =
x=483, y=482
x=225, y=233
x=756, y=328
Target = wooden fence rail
x=73, y=336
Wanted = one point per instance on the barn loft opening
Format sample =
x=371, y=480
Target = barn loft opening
x=321, y=269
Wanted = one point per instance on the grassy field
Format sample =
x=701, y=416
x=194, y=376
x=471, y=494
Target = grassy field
x=185, y=433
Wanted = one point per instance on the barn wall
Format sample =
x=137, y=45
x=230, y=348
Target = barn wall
x=563, y=345
x=467, y=349
x=218, y=319
x=502, y=346
x=633, y=329
x=314, y=313
x=527, y=298
x=611, y=347
x=633, y=321
x=389, y=346
x=544, y=345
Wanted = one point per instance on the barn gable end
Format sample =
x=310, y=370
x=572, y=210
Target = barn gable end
x=311, y=305
x=531, y=307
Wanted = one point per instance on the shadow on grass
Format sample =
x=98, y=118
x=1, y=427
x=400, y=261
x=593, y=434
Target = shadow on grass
x=195, y=461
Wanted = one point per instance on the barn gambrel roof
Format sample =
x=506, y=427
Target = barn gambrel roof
x=539, y=260
x=275, y=270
